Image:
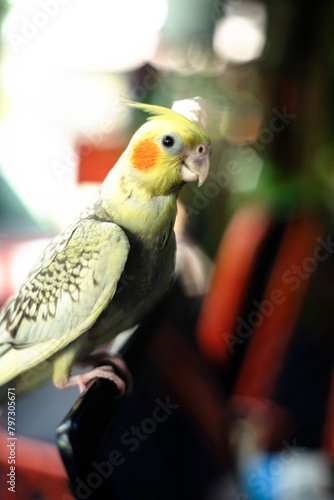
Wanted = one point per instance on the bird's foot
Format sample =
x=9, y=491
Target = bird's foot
x=110, y=367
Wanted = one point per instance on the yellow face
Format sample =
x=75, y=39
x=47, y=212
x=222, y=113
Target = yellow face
x=166, y=153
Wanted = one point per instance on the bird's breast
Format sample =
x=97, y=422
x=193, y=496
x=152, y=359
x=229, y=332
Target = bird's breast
x=146, y=277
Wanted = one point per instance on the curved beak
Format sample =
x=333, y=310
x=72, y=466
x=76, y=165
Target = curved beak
x=196, y=165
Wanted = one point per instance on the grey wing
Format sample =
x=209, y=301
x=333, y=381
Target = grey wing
x=63, y=296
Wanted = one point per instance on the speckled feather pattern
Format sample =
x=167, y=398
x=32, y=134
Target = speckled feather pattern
x=83, y=279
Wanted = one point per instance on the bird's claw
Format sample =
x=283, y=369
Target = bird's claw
x=110, y=367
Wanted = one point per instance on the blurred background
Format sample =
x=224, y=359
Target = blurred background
x=257, y=237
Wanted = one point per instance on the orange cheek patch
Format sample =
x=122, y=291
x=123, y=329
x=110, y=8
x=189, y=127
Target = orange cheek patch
x=145, y=155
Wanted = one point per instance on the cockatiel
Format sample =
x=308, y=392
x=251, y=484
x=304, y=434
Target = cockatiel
x=112, y=264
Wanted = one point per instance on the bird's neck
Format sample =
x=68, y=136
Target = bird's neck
x=133, y=209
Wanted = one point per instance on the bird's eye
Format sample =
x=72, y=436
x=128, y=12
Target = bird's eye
x=168, y=141
x=171, y=143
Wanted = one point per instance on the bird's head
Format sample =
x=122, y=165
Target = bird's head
x=166, y=152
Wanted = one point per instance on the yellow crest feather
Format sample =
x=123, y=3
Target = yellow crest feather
x=190, y=132
x=159, y=112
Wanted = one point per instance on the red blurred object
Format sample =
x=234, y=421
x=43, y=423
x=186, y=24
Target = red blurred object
x=234, y=265
x=270, y=339
x=39, y=471
x=96, y=162
x=262, y=325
